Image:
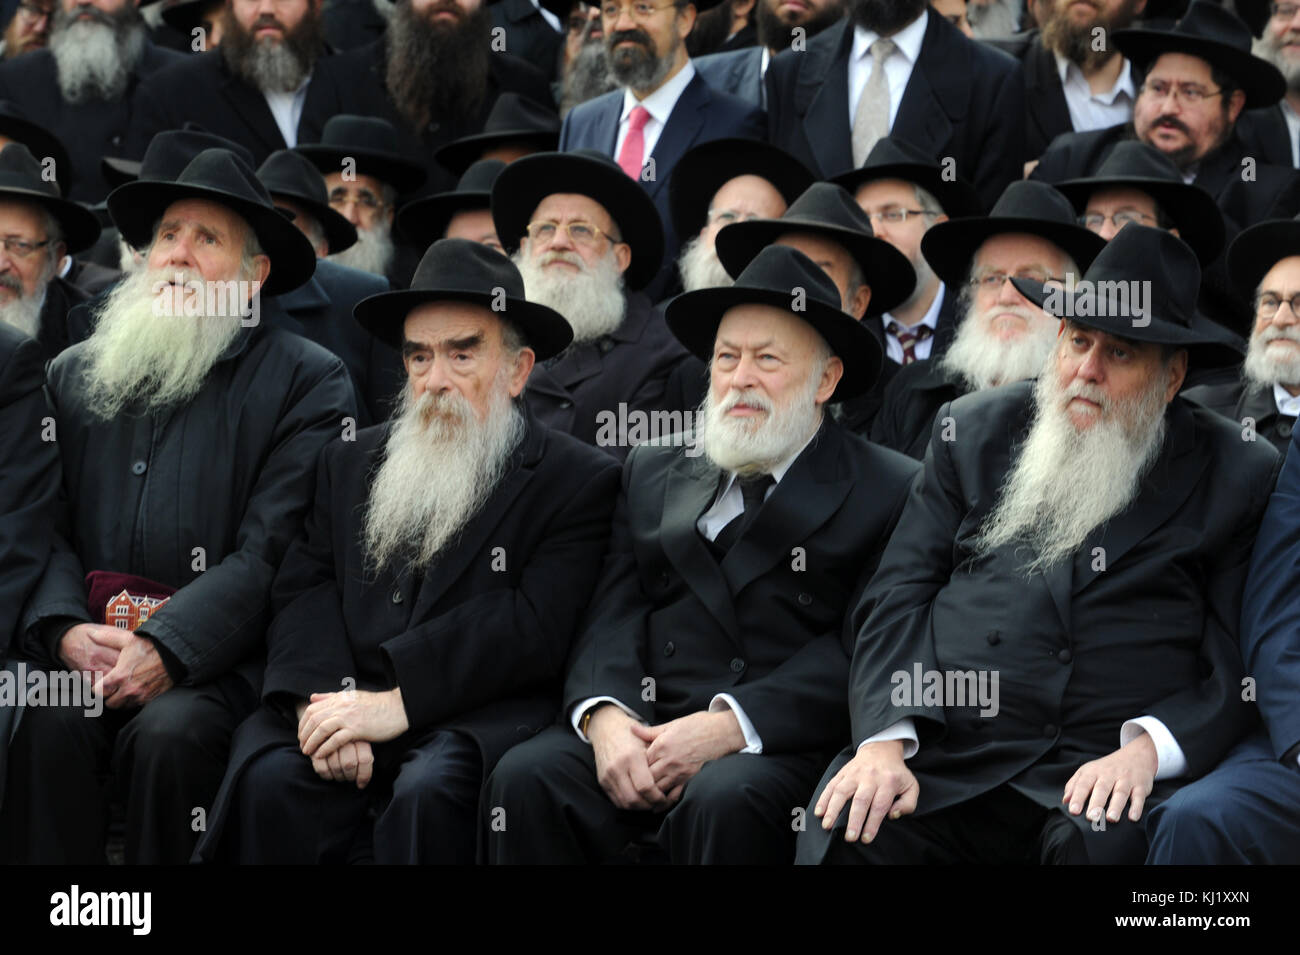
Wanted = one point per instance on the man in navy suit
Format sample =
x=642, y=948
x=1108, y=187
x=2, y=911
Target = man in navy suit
x=663, y=109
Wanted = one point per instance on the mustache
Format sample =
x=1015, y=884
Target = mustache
x=449, y=408
x=12, y=283
x=1174, y=122
x=572, y=258
x=91, y=12
x=1290, y=333
x=268, y=20
x=748, y=397
x=636, y=36
x=1089, y=392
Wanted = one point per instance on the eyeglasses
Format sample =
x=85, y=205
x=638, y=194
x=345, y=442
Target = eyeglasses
x=1283, y=11
x=580, y=233
x=638, y=11
x=990, y=280
x=728, y=216
x=21, y=248
x=1189, y=93
x=1095, y=220
x=1268, y=304
x=35, y=12
x=365, y=198
x=898, y=216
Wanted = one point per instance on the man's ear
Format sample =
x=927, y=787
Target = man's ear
x=523, y=368
x=1235, y=106
x=622, y=255
x=261, y=269
x=686, y=20
x=830, y=379
x=1177, y=372
x=861, y=299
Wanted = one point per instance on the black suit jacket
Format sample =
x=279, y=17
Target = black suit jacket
x=88, y=131
x=58, y=327
x=528, y=35
x=738, y=72
x=764, y=624
x=1046, y=113
x=202, y=89
x=1238, y=402
x=964, y=101
x=1147, y=625
x=1266, y=135
x=911, y=404
x=352, y=23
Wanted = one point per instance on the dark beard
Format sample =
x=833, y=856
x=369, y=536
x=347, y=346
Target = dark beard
x=245, y=56
x=885, y=17
x=435, y=71
x=775, y=34
x=712, y=27
x=588, y=77
x=1075, y=42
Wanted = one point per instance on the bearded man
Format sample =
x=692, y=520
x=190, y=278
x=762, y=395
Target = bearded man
x=188, y=432
x=741, y=649
x=584, y=61
x=434, y=75
x=1271, y=133
x=462, y=517
x=1008, y=704
x=255, y=88
x=28, y=29
x=82, y=86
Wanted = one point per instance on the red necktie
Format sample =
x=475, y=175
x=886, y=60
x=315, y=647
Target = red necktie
x=908, y=339
x=633, y=151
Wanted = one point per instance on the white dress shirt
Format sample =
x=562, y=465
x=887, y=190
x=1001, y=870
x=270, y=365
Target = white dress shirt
x=549, y=17
x=1089, y=110
x=1287, y=403
x=659, y=105
x=728, y=504
x=286, y=108
x=898, y=68
x=1293, y=130
x=894, y=349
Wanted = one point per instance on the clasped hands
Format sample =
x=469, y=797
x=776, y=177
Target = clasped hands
x=336, y=730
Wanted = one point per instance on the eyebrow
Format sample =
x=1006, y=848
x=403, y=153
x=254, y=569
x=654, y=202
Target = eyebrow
x=175, y=224
x=468, y=343
x=769, y=343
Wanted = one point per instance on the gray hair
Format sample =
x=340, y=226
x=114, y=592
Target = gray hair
x=926, y=200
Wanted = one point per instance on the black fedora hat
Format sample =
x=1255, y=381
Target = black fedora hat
x=524, y=183
x=423, y=221
x=1027, y=206
x=21, y=179
x=894, y=158
x=288, y=174
x=371, y=143
x=706, y=168
x=1133, y=164
x=828, y=210
x=188, y=14
x=40, y=142
x=1139, y=257
x=458, y=270
x=1258, y=249
x=169, y=152
x=218, y=175
x=514, y=119
x=774, y=277
x=1215, y=35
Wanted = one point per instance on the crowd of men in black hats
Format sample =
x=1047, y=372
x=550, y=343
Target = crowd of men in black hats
x=708, y=431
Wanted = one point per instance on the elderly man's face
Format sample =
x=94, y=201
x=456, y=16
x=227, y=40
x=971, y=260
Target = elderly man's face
x=360, y=200
x=21, y=276
x=836, y=262
x=1274, y=355
x=1110, y=372
x=269, y=19
x=551, y=238
x=1008, y=314
x=740, y=199
x=1280, y=44
x=1182, y=111
x=475, y=225
x=30, y=27
x=458, y=348
x=1105, y=206
x=200, y=236
x=583, y=26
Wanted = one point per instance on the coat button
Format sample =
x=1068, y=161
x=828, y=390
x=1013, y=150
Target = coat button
x=397, y=596
x=669, y=649
x=737, y=665
x=1284, y=428
x=1065, y=656
x=993, y=638
x=566, y=403
x=805, y=599
x=139, y=467
x=1049, y=730
x=606, y=346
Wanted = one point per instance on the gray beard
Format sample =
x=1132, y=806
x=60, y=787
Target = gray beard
x=273, y=67
x=1263, y=369
x=639, y=68
x=94, y=60
x=756, y=445
x=700, y=267
x=435, y=477
x=982, y=360
x=592, y=300
x=589, y=76
x=24, y=311
x=1066, y=483
x=1270, y=49
x=372, y=252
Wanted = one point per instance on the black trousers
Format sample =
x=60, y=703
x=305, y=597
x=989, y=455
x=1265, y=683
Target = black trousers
x=419, y=808
x=165, y=760
x=543, y=805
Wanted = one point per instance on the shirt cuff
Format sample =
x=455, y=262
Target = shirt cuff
x=753, y=742
x=1170, y=761
x=576, y=718
x=904, y=729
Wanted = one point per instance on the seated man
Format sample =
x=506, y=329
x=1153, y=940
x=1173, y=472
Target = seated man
x=710, y=676
x=423, y=619
x=188, y=432
x=1050, y=642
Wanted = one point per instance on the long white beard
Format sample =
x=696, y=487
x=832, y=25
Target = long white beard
x=158, y=360
x=23, y=312
x=440, y=465
x=94, y=59
x=983, y=360
x=591, y=299
x=1266, y=366
x=1065, y=483
x=756, y=444
x=700, y=267
x=372, y=252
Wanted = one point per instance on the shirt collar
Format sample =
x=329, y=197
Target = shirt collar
x=660, y=103
x=1069, y=72
x=778, y=472
x=1286, y=403
x=931, y=316
x=908, y=40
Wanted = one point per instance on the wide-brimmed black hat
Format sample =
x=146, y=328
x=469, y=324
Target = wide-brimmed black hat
x=293, y=176
x=524, y=183
x=514, y=119
x=424, y=221
x=828, y=210
x=1027, y=206
x=706, y=168
x=1258, y=249
x=1107, y=297
x=778, y=276
x=186, y=15
x=371, y=143
x=893, y=158
x=1135, y=165
x=40, y=142
x=218, y=175
x=459, y=270
x=21, y=179
x=167, y=154
x=1215, y=35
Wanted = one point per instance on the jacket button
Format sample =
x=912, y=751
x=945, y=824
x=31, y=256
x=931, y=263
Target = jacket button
x=1284, y=428
x=1049, y=730
x=669, y=649
x=805, y=599
x=139, y=467
x=1065, y=656
x=993, y=638
x=397, y=596
x=737, y=665
x=566, y=403
x=606, y=346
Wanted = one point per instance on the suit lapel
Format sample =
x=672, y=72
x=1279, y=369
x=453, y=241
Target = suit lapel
x=691, y=486
x=1044, y=97
x=824, y=86
x=683, y=126
x=922, y=119
x=250, y=106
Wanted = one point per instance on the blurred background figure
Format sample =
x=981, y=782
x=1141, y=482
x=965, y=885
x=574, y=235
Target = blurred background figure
x=28, y=28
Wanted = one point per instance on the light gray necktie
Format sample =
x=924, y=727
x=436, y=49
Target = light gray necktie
x=871, y=119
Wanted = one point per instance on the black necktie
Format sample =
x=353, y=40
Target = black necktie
x=752, y=492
